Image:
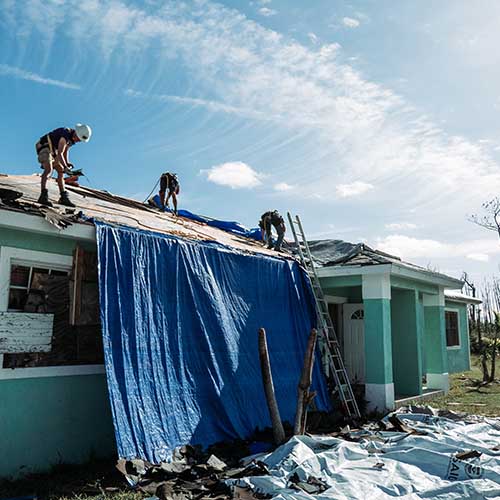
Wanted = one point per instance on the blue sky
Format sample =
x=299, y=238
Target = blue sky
x=376, y=121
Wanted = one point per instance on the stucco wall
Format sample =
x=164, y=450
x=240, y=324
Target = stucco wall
x=51, y=419
x=47, y=421
x=459, y=358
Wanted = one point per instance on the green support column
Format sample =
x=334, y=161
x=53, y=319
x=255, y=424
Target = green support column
x=379, y=387
x=406, y=343
x=435, y=342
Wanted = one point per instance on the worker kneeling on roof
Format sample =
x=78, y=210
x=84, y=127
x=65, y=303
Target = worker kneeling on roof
x=266, y=223
x=52, y=150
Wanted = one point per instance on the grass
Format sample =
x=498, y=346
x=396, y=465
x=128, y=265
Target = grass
x=468, y=394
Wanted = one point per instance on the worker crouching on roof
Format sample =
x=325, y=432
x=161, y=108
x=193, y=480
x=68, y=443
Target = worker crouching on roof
x=268, y=220
x=170, y=183
x=52, y=150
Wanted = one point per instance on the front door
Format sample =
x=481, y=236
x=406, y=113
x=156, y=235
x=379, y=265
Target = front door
x=354, y=342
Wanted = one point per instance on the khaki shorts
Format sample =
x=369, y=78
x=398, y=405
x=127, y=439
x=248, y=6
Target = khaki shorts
x=45, y=157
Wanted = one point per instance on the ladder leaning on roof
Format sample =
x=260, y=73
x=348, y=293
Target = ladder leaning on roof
x=329, y=347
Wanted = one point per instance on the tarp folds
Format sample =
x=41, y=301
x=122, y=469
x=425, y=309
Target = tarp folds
x=229, y=226
x=385, y=465
x=180, y=321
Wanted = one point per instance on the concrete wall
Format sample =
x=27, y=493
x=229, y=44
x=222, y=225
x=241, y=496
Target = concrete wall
x=459, y=358
x=407, y=332
x=53, y=420
x=50, y=419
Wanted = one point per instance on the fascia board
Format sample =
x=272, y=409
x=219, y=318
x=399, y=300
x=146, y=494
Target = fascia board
x=37, y=224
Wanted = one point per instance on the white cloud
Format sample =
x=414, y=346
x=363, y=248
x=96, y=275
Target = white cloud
x=283, y=186
x=267, y=12
x=400, y=226
x=313, y=38
x=350, y=22
x=33, y=77
x=354, y=189
x=480, y=257
x=215, y=106
x=414, y=248
x=236, y=175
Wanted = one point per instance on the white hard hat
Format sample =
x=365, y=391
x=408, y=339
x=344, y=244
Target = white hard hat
x=83, y=132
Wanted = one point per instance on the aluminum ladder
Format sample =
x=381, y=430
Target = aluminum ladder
x=333, y=364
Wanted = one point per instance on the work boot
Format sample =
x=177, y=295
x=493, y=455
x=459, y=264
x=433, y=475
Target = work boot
x=44, y=198
x=64, y=200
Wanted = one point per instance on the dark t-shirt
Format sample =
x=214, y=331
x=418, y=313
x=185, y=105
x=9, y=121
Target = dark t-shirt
x=56, y=135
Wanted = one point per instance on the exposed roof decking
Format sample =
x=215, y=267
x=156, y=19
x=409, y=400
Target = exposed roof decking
x=119, y=210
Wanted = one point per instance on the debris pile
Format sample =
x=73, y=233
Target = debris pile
x=413, y=453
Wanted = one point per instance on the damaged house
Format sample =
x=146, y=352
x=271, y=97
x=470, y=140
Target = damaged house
x=126, y=330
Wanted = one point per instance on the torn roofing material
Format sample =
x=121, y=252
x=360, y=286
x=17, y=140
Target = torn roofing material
x=338, y=253
x=107, y=207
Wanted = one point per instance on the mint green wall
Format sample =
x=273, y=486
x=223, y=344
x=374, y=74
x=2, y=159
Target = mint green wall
x=40, y=242
x=46, y=421
x=341, y=281
x=351, y=293
x=378, y=349
x=400, y=282
x=459, y=359
x=406, y=342
x=435, y=340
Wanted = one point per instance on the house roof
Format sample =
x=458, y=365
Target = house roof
x=342, y=254
x=457, y=296
x=26, y=213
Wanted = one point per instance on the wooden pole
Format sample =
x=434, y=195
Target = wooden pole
x=267, y=379
x=304, y=398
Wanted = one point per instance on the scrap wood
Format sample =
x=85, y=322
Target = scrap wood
x=399, y=426
x=466, y=455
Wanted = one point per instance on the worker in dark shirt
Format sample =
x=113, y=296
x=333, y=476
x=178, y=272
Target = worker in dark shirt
x=169, y=184
x=52, y=150
x=268, y=220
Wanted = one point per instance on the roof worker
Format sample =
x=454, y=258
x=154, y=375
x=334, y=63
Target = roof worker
x=268, y=220
x=52, y=150
x=170, y=183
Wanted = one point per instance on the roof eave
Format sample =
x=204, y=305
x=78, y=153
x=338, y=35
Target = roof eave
x=393, y=269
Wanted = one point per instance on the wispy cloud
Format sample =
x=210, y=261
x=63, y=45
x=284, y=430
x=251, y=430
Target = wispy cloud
x=14, y=72
x=283, y=186
x=363, y=128
x=350, y=22
x=400, y=226
x=312, y=36
x=414, y=248
x=267, y=12
x=215, y=106
x=236, y=175
x=354, y=189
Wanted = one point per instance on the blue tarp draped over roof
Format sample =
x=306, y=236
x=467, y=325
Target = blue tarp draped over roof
x=180, y=321
x=230, y=226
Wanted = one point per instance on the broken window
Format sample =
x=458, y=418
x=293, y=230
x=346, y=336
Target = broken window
x=72, y=297
x=452, y=331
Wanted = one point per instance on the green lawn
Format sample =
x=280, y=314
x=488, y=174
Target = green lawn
x=468, y=395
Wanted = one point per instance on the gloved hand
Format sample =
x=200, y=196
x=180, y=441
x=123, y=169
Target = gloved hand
x=69, y=168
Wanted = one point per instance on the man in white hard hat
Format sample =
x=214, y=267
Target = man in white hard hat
x=52, y=150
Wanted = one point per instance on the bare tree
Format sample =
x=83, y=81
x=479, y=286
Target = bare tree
x=490, y=219
x=470, y=288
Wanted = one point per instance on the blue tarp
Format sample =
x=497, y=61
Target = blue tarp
x=180, y=321
x=230, y=226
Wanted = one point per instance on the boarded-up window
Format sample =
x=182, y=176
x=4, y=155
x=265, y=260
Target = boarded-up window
x=44, y=290
x=452, y=331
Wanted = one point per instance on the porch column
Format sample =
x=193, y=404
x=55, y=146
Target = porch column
x=435, y=342
x=406, y=342
x=379, y=387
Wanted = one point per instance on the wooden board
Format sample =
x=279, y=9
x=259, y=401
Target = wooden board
x=25, y=332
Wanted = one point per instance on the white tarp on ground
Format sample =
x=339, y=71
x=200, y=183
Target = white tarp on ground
x=388, y=464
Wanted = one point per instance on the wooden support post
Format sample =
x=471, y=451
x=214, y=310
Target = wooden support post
x=267, y=379
x=304, y=397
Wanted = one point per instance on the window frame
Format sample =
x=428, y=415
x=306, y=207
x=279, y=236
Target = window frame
x=457, y=312
x=19, y=256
